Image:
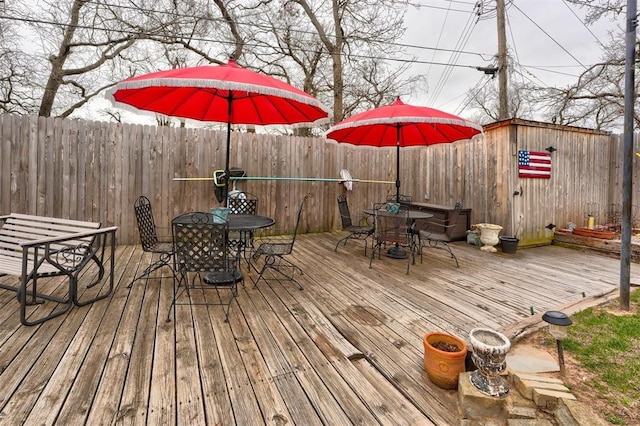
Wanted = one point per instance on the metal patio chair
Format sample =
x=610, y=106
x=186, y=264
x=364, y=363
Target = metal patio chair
x=438, y=233
x=201, y=249
x=356, y=232
x=149, y=239
x=393, y=229
x=276, y=251
x=242, y=203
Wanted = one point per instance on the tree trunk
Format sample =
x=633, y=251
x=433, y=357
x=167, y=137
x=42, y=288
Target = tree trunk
x=57, y=61
x=336, y=54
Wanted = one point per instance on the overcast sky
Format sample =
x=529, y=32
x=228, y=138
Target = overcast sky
x=546, y=37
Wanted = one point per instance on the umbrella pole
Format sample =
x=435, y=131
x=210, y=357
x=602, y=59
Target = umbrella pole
x=398, y=163
x=397, y=252
x=227, y=174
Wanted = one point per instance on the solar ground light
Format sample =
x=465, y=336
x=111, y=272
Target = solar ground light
x=558, y=323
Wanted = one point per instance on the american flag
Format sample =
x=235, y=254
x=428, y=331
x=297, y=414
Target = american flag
x=533, y=164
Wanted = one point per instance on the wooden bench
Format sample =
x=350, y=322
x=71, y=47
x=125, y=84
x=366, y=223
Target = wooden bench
x=34, y=247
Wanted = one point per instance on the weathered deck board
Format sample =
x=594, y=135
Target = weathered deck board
x=345, y=350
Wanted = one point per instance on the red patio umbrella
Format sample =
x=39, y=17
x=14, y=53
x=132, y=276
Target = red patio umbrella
x=223, y=93
x=402, y=125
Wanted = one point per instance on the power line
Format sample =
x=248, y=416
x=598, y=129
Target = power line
x=439, y=49
x=548, y=35
x=208, y=40
x=490, y=13
x=468, y=99
x=545, y=69
x=438, y=8
x=582, y=22
x=462, y=41
x=526, y=73
x=513, y=39
x=220, y=20
x=438, y=42
x=240, y=22
x=418, y=5
x=447, y=1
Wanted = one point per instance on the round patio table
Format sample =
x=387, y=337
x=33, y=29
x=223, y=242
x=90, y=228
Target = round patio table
x=241, y=222
x=248, y=222
x=413, y=214
x=398, y=252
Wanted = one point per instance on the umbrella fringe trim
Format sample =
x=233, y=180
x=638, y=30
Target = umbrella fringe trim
x=303, y=98
x=391, y=122
x=154, y=114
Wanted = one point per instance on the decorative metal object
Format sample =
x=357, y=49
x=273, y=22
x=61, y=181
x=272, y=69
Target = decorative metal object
x=489, y=355
x=392, y=207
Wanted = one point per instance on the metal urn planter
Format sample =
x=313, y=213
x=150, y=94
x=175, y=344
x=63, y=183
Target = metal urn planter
x=444, y=359
x=489, y=355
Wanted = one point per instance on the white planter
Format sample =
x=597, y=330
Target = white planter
x=489, y=355
x=489, y=236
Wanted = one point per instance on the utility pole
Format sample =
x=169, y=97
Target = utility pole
x=503, y=110
x=627, y=154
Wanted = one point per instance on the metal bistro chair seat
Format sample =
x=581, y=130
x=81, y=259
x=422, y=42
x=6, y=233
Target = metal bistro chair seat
x=356, y=232
x=438, y=234
x=275, y=251
x=201, y=248
x=150, y=240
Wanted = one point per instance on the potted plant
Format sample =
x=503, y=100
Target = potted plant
x=444, y=358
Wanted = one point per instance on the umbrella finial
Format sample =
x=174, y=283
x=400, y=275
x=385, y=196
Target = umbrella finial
x=398, y=101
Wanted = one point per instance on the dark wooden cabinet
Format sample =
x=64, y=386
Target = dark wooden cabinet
x=443, y=213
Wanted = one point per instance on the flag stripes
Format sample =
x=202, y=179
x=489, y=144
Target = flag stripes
x=534, y=164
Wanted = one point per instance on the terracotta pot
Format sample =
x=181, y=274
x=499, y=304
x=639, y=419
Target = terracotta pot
x=443, y=367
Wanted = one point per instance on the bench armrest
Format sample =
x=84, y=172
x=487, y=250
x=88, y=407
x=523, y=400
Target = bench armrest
x=68, y=237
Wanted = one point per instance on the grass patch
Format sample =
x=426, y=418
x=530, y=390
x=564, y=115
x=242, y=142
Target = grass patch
x=606, y=342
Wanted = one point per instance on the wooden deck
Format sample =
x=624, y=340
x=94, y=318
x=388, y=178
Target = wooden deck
x=346, y=350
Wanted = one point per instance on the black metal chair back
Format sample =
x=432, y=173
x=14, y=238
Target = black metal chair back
x=201, y=246
x=274, y=251
x=243, y=203
x=453, y=220
x=345, y=214
x=146, y=223
x=393, y=228
x=439, y=234
x=299, y=216
x=356, y=232
x=149, y=238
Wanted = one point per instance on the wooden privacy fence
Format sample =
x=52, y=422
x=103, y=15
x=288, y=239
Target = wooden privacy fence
x=93, y=171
